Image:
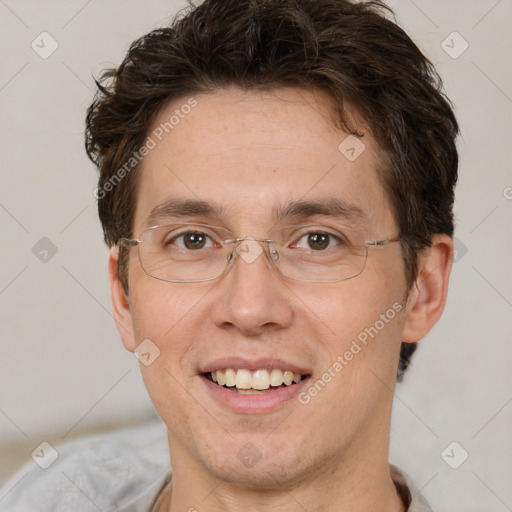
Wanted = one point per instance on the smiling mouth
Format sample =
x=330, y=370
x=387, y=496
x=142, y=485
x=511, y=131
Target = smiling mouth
x=254, y=382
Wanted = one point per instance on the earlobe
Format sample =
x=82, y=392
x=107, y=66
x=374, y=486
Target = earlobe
x=427, y=298
x=120, y=302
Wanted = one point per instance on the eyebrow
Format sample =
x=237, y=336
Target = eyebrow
x=334, y=207
x=177, y=207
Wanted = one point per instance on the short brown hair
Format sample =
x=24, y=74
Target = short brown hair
x=350, y=50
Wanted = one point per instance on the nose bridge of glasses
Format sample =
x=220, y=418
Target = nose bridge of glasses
x=243, y=238
x=249, y=248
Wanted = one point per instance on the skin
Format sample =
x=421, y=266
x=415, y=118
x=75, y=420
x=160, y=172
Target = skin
x=250, y=151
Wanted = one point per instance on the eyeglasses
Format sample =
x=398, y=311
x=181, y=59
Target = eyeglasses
x=189, y=253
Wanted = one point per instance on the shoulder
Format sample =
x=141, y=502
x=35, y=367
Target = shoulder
x=108, y=471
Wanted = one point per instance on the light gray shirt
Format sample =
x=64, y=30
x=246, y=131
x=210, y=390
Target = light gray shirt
x=120, y=471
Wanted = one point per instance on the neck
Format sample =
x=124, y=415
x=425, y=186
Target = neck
x=361, y=483
x=228, y=500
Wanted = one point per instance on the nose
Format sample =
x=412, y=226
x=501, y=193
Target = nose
x=252, y=295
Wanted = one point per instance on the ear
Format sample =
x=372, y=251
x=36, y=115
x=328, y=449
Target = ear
x=120, y=302
x=427, y=297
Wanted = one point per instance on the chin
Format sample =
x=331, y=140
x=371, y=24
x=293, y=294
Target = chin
x=240, y=462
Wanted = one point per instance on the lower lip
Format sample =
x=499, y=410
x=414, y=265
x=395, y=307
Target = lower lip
x=257, y=403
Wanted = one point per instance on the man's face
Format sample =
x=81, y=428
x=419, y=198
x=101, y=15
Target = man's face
x=252, y=153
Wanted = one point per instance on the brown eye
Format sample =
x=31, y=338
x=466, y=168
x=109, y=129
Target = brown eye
x=318, y=241
x=192, y=241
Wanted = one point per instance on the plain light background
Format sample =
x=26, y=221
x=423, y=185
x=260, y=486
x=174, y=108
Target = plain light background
x=63, y=370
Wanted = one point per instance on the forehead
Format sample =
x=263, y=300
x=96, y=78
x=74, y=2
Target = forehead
x=256, y=153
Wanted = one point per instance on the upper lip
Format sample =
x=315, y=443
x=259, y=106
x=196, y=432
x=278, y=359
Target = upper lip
x=253, y=364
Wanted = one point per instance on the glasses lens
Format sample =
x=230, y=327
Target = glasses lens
x=339, y=264
x=183, y=253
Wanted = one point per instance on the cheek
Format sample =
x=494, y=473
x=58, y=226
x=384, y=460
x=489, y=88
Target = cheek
x=166, y=315
x=360, y=320
x=160, y=310
x=362, y=348
x=175, y=318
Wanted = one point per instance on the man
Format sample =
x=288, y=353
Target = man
x=276, y=186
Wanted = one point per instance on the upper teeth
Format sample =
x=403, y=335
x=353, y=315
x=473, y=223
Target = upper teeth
x=259, y=379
